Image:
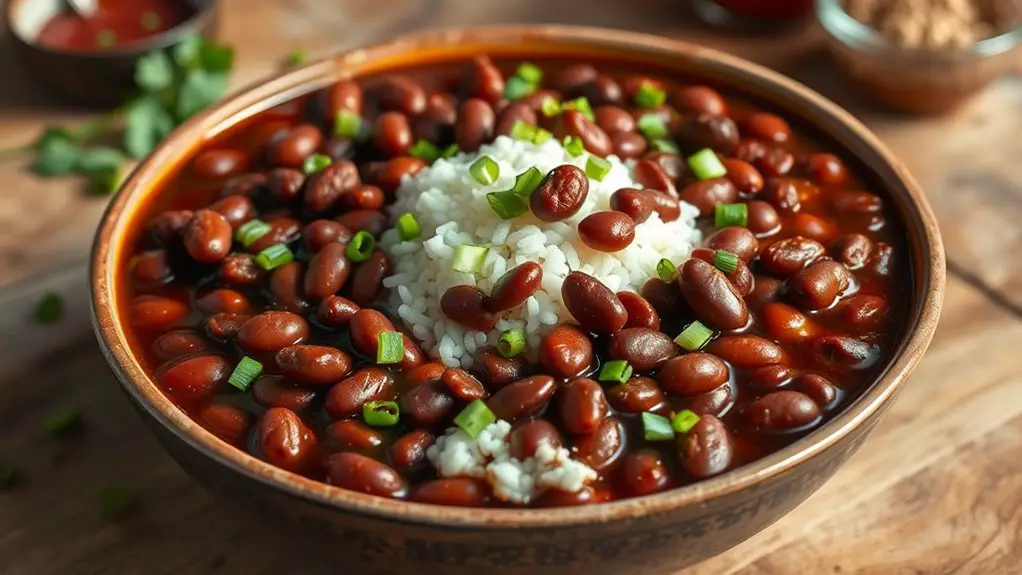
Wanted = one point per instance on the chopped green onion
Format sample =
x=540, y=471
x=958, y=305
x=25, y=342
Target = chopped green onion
x=649, y=96
x=475, y=418
x=574, y=146
x=550, y=107
x=425, y=150
x=580, y=105
x=274, y=257
x=485, y=170
x=667, y=271
x=652, y=126
x=663, y=145
x=251, y=231
x=245, y=373
x=507, y=204
x=150, y=21
x=527, y=182
x=298, y=57
x=49, y=309
x=8, y=476
x=381, y=413
x=106, y=38
x=517, y=88
x=449, y=151
x=407, y=227
x=541, y=136
x=656, y=427
x=468, y=258
x=64, y=422
x=390, y=347
x=706, y=165
x=726, y=262
x=523, y=131
x=684, y=421
x=117, y=501
x=597, y=168
x=361, y=246
x=315, y=163
x=529, y=72
x=694, y=336
x=511, y=343
x=617, y=370
x=726, y=215
x=347, y=124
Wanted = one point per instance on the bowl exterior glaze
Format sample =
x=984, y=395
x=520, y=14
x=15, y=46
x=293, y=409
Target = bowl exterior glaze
x=656, y=534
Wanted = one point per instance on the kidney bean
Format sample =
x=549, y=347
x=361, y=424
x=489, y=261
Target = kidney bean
x=763, y=219
x=222, y=300
x=786, y=324
x=155, y=313
x=744, y=176
x=430, y=372
x=588, y=495
x=522, y=397
x=602, y=450
x=882, y=260
x=236, y=209
x=178, y=343
x=387, y=175
x=607, y=231
x=697, y=100
x=652, y=176
x=781, y=411
x=643, y=348
x=225, y=326
x=765, y=289
x=512, y=114
x=769, y=376
x=641, y=313
x=347, y=398
x=693, y=374
x=818, y=388
x=583, y=406
x=313, y=365
x=325, y=187
x=742, y=279
x=862, y=313
x=240, y=270
x=810, y=226
x=852, y=250
x=560, y=194
x=286, y=287
x=219, y=163
x=767, y=127
x=571, y=79
x=665, y=298
x=367, y=281
x=328, y=271
x=718, y=133
x=335, y=311
x=436, y=123
x=775, y=162
x=364, y=329
x=345, y=95
x=750, y=150
x=672, y=165
x=636, y=204
x=194, y=378
x=782, y=194
x=351, y=434
x=819, y=285
x=483, y=80
x=401, y=94
x=409, y=451
x=475, y=125
x=320, y=233
x=637, y=395
x=574, y=123
x=371, y=221
x=786, y=257
x=747, y=351
x=614, y=119
x=364, y=197
x=462, y=384
x=496, y=371
x=392, y=134
x=465, y=305
x=428, y=404
x=152, y=268
x=535, y=100
x=855, y=202
x=715, y=402
x=592, y=304
x=838, y=351
x=366, y=475
x=709, y=293
x=167, y=228
x=225, y=421
x=825, y=169
x=628, y=145
x=271, y=331
x=272, y=391
x=286, y=442
x=644, y=472
x=706, y=194
x=244, y=184
x=453, y=492
x=526, y=438
x=736, y=240
x=514, y=287
x=706, y=449
x=207, y=237
x=602, y=90
x=282, y=231
x=284, y=184
x=289, y=149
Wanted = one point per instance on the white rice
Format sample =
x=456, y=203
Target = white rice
x=452, y=209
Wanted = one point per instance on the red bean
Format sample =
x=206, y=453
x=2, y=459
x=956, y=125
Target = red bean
x=409, y=451
x=371, y=221
x=327, y=272
x=716, y=302
x=155, y=313
x=862, y=313
x=428, y=404
x=454, y=492
x=290, y=148
x=786, y=257
x=782, y=194
x=244, y=184
x=736, y=240
x=365, y=327
x=706, y=449
x=465, y=305
x=462, y=384
x=513, y=113
x=392, y=134
x=583, y=406
x=436, y=123
x=219, y=163
x=526, y=439
x=282, y=231
x=178, y=344
x=560, y=194
x=608, y=231
x=718, y=133
x=818, y=388
x=367, y=281
x=365, y=475
x=522, y=397
x=271, y=331
x=320, y=233
x=496, y=371
x=426, y=373
x=475, y=124
x=775, y=162
x=592, y=304
x=644, y=472
x=706, y=194
x=514, y=287
x=225, y=421
x=604, y=448
x=236, y=209
x=810, y=226
x=286, y=442
x=574, y=123
x=652, y=176
x=637, y=395
x=167, y=228
x=643, y=348
x=747, y=351
x=207, y=237
x=715, y=402
x=744, y=176
x=364, y=197
x=313, y=365
x=351, y=434
x=345, y=95
x=636, y=204
x=325, y=187
x=782, y=411
x=769, y=376
x=566, y=351
x=602, y=90
x=693, y=374
x=763, y=219
x=614, y=119
x=664, y=297
x=286, y=287
x=335, y=311
x=483, y=80
x=347, y=398
x=852, y=250
x=881, y=262
x=825, y=169
x=272, y=391
x=819, y=285
x=284, y=184
x=767, y=289
x=222, y=300
x=838, y=351
x=225, y=326
x=786, y=324
x=697, y=100
x=388, y=175
x=767, y=127
x=400, y=93
x=194, y=378
x=855, y=202
x=240, y=270
x=588, y=495
x=641, y=313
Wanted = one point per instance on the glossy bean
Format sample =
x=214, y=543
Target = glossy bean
x=347, y=398
x=856, y=202
x=325, y=187
x=388, y=175
x=602, y=90
x=641, y=313
x=286, y=442
x=782, y=194
x=592, y=304
x=604, y=448
x=527, y=438
x=744, y=176
x=522, y=397
x=222, y=300
x=699, y=132
x=583, y=405
x=228, y=422
x=853, y=250
x=335, y=311
x=747, y=351
x=156, y=313
x=320, y=233
x=225, y=326
x=327, y=272
x=313, y=365
x=825, y=169
x=706, y=194
x=636, y=204
x=706, y=449
x=236, y=209
x=409, y=451
x=818, y=388
x=167, y=228
x=271, y=331
x=763, y=219
x=428, y=404
x=372, y=221
x=716, y=402
x=475, y=125
x=286, y=287
x=716, y=302
x=769, y=376
x=273, y=391
x=775, y=162
x=179, y=343
x=693, y=374
x=207, y=237
x=573, y=123
x=863, y=314
x=352, y=434
x=572, y=78
x=290, y=148
x=666, y=298
x=811, y=226
x=643, y=348
x=240, y=269
x=465, y=305
x=483, y=80
x=392, y=134
x=345, y=95
x=766, y=127
x=697, y=100
x=282, y=231
x=637, y=395
x=627, y=145
x=786, y=257
x=401, y=94
x=644, y=472
x=244, y=184
x=607, y=231
x=819, y=285
x=786, y=324
x=219, y=163
x=364, y=329
x=152, y=268
x=452, y=491
x=363, y=474
x=781, y=411
x=514, y=287
x=194, y=378
x=614, y=119
x=843, y=352
x=765, y=289
x=652, y=176
x=284, y=184
x=367, y=280
x=737, y=240
x=363, y=197
x=496, y=371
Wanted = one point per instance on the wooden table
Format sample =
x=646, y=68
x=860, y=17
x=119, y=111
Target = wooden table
x=938, y=488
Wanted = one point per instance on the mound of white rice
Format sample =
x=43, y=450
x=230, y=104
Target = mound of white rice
x=452, y=209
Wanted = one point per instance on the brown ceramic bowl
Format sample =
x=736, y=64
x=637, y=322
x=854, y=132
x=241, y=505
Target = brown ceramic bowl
x=103, y=78
x=656, y=534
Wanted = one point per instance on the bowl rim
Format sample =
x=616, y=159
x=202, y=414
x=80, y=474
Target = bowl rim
x=925, y=243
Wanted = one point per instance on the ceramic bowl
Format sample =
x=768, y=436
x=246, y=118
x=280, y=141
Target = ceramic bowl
x=656, y=534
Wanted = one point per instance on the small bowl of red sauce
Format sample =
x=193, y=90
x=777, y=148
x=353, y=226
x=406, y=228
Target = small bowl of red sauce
x=91, y=59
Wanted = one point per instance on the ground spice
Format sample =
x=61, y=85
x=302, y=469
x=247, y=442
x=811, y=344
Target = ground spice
x=935, y=24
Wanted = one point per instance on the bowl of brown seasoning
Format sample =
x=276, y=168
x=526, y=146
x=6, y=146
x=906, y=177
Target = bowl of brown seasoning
x=922, y=56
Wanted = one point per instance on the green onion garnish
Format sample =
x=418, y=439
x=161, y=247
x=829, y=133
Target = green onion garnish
x=49, y=309
x=663, y=145
x=550, y=107
x=574, y=146
x=468, y=258
x=580, y=105
x=150, y=21
x=347, y=124
x=425, y=150
x=706, y=165
x=245, y=373
x=649, y=96
x=251, y=231
x=485, y=170
x=652, y=126
x=507, y=204
x=527, y=182
x=274, y=257
x=297, y=58
x=106, y=38
x=475, y=418
x=517, y=88
x=617, y=370
x=541, y=136
x=523, y=131
x=511, y=343
x=656, y=427
x=684, y=421
x=407, y=227
x=667, y=271
x=694, y=336
x=726, y=215
x=117, y=501
x=597, y=168
x=449, y=151
x=381, y=413
x=726, y=262
x=390, y=347
x=361, y=246
x=529, y=72
x=64, y=422
x=315, y=163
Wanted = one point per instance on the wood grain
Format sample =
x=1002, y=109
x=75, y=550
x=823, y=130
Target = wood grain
x=937, y=490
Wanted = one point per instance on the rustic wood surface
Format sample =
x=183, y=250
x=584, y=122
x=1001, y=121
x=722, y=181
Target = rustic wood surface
x=937, y=489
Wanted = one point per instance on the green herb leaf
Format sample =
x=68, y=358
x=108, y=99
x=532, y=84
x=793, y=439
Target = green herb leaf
x=147, y=122
x=154, y=71
x=106, y=182
x=49, y=309
x=186, y=53
x=199, y=89
x=100, y=159
x=58, y=157
x=49, y=134
x=216, y=57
